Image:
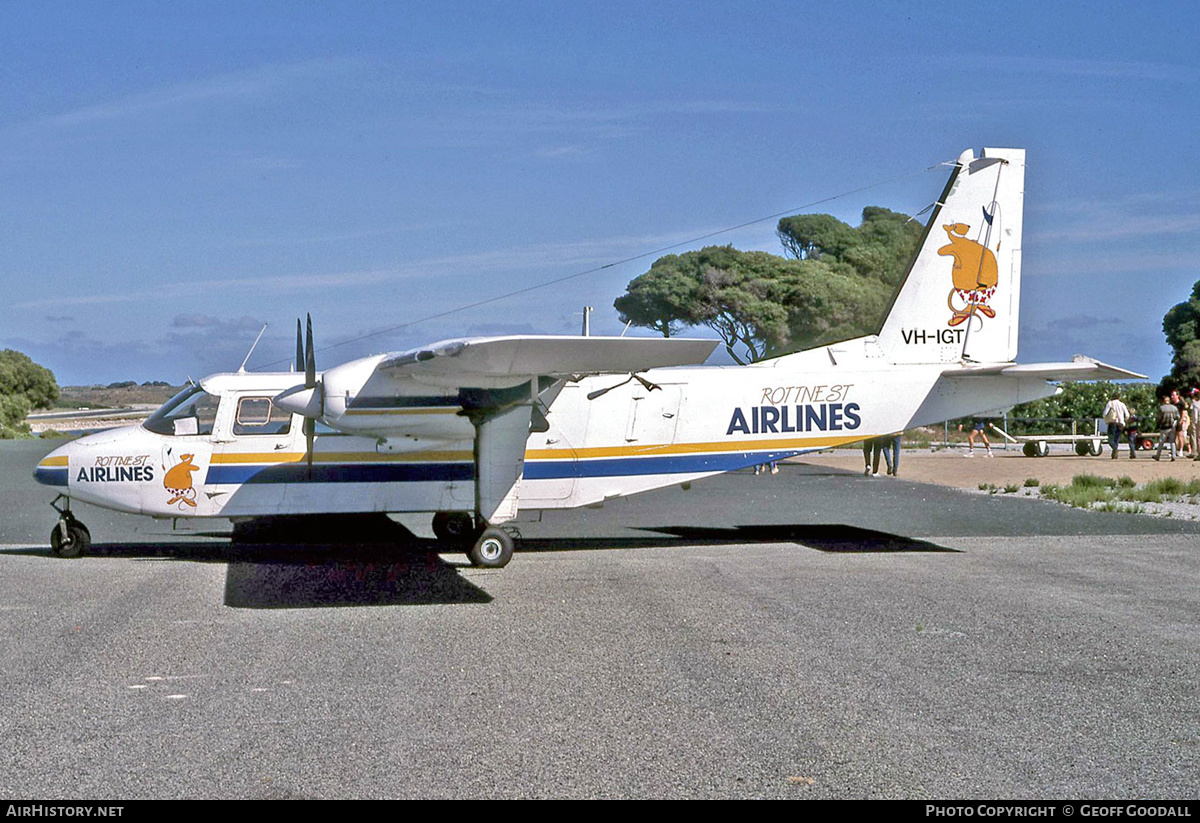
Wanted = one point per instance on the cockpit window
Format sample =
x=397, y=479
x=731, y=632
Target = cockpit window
x=258, y=415
x=192, y=411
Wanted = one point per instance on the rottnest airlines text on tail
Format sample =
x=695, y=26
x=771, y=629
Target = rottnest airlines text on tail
x=473, y=431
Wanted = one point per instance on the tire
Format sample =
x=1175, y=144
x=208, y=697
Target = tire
x=1095, y=448
x=1043, y=448
x=76, y=543
x=1029, y=449
x=454, y=528
x=1082, y=448
x=492, y=550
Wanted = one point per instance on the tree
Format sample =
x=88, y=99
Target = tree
x=1083, y=401
x=24, y=385
x=836, y=286
x=806, y=236
x=760, y=304
x=664, y=299
x=1181, y=325
x=881, y=247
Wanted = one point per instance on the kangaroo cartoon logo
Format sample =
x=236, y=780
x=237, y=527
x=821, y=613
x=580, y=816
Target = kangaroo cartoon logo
x=178, y=480
x=974, y=275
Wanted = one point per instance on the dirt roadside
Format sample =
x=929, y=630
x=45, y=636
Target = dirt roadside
x=951, y=468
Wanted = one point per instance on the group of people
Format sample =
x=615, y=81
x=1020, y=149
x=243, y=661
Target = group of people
x=1176, y=423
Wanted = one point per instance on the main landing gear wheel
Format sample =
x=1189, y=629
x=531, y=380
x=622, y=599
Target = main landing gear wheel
x=70, y=538
x=454, y=528
x=492, y=550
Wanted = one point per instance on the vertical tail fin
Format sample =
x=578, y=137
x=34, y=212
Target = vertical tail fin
x=961, y=296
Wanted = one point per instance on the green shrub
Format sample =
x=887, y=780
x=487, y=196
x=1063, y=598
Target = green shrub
x=1091, y=481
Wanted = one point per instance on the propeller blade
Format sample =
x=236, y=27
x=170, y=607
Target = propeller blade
x=310, y=360
x=296, y=364
x=310, y=431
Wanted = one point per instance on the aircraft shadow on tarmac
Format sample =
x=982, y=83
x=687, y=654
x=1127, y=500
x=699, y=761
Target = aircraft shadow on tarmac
x=313, y=575
x=822, y=537
x=407, y=570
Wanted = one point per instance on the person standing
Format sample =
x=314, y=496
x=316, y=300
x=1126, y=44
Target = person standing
x=1116, y=415
x=977, y=429
x=1194, y=433
x=1182, y=443
x=1168, y=424
x=872, y=449
x=891, y=454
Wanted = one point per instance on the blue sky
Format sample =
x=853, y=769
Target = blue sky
x=172, y=176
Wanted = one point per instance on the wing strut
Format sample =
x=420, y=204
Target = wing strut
x=500, y=438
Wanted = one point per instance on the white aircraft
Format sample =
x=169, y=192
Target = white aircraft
x=473, y=431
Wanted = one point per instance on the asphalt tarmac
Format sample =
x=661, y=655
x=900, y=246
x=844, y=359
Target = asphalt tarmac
x=814, y=634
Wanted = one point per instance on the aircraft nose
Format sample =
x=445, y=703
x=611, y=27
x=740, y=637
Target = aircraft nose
x=52, y=470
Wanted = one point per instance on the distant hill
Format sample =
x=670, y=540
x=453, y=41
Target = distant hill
x=116, y=395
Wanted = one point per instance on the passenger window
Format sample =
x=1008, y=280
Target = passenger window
x=258, y=415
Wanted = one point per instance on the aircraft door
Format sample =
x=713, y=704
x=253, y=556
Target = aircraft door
x=552, y=457
x=653, y=415
x=258, y=449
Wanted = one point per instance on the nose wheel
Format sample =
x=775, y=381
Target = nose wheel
x=69, y=538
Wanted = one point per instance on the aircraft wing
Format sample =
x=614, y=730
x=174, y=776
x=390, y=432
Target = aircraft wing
x=1079, y=368
x=487, y=361
x=422, y=394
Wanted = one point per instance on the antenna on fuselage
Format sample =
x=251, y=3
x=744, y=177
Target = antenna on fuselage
x=242, y=368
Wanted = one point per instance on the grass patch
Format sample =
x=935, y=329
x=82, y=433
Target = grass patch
x=1091, y=481
x=1032, y=482
x=1080, y=496
x=1120, y=507
x=1087, y=491
x=1011, y=488
x=1140, y=494
x=1167, y=485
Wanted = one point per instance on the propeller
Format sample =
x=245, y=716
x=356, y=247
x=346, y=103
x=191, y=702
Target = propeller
x=299, y=347
x=310, y=382
x=308, y=399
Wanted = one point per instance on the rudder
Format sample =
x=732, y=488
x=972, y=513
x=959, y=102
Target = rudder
x=960, y=300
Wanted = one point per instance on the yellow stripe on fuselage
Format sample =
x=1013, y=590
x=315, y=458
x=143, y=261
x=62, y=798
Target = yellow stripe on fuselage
x=430, y=410
x=53, y=462
x=662, y=449
x=240, y=458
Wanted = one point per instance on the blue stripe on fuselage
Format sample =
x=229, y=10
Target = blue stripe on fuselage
x=51, y=477
x=669, y=464
x=534, y=469
x=341, y=473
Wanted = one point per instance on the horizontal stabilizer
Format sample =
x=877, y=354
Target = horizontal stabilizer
x=1080, y=368
x=551, y=356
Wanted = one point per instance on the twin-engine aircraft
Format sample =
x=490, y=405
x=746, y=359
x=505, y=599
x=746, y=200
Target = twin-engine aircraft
x=473, y=431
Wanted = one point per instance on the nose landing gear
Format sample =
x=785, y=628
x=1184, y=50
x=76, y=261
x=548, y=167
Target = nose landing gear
x=69, y=538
